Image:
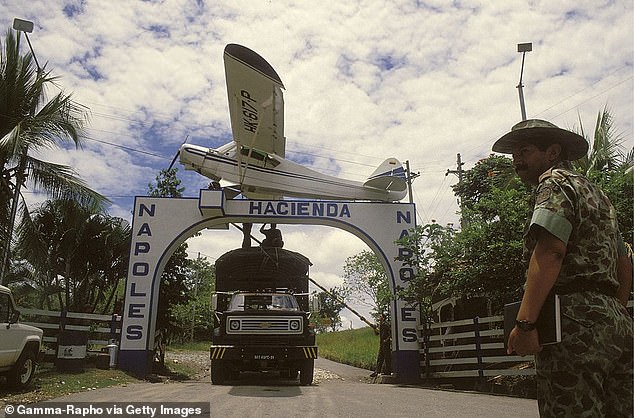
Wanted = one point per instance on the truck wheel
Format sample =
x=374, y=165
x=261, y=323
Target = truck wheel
x=306, y=372
x=22, y=373
x=218, y=373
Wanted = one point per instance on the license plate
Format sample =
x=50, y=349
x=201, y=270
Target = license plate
x=263, y=357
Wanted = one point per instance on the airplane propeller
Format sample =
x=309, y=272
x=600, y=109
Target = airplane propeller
x=177, y=153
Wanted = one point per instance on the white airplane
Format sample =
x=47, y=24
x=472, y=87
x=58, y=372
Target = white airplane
x=255, y=160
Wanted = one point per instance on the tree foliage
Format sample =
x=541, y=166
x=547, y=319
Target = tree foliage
x=484, y=258
x=367, y=282
x=167, y=184
x=193, y=317
x=494, y=172
x=329, y=318
x=73, y=256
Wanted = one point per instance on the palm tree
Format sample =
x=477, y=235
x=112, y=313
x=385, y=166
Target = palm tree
x=606, y=151
x=75, y=254
x=30, y=122
x=611, y=167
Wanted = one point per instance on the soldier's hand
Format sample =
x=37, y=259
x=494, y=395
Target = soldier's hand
x=523, y=342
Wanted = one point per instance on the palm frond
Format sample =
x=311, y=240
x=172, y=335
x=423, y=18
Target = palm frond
x=31, y=244
x=60, y=182
x=605, y=152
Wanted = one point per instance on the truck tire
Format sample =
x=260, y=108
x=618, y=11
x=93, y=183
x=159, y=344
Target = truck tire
x=306, y=372
x=292, y=373
x=23, y=371
x=219, y=372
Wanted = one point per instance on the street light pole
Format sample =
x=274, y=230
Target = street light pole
x=26, y=27
x=523, y=48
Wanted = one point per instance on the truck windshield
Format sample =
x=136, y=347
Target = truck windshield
x=265, y=302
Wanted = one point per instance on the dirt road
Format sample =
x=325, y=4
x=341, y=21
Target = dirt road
x=338, y=391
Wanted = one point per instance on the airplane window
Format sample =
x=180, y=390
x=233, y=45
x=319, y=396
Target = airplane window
x=259, y=156
x=255, y=154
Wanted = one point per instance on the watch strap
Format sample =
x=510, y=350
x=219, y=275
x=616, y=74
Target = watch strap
x=525, y=325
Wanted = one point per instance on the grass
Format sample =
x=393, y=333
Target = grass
x=356, y=347
x=50, y=383
x=190, y=346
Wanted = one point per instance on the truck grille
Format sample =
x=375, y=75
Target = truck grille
x=286, y=325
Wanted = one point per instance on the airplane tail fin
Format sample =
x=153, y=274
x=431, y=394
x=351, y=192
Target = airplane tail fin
x=390, y=175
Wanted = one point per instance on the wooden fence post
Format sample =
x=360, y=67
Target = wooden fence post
x=113, y=326
x=426, y=330
x=478, y=344
x=62, y=320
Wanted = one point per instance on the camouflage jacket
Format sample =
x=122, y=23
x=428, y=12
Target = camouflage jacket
x=577, y=212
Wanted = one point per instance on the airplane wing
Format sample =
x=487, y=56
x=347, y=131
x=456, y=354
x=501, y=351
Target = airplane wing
x=256, y=103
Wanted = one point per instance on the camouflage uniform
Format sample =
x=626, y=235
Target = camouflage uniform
x=590, y=372
x=384, y=357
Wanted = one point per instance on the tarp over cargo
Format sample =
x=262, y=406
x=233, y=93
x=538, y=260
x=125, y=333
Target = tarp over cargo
x=258, y=268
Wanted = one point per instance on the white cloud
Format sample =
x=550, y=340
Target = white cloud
x=364, y=80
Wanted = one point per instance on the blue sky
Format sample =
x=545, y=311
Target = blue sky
x=365, y=80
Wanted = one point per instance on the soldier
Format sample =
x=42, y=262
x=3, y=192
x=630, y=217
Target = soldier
x=273, y=236
x=384, y=357
x=573, y=247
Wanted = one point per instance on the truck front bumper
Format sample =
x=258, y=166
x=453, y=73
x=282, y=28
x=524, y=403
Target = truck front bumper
x=265, y=352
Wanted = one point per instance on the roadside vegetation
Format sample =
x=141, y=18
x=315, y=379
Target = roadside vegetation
x=356, y=347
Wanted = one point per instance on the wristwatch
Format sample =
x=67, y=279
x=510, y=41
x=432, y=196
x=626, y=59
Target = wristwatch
x=524, y=325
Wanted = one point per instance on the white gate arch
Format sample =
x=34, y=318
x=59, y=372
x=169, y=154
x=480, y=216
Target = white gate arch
x=160, y=225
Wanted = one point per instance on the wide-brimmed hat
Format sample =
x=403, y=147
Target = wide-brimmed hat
x=537, y=130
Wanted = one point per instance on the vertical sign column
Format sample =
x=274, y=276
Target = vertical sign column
x=407, y=314
x=141, y=267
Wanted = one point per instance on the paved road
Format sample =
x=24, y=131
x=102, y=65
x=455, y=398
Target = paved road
x=339, y=391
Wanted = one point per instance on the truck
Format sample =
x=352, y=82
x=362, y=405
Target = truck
x=20, y=343
x=261, y=315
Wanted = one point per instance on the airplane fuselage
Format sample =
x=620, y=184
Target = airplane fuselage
x=272, y=177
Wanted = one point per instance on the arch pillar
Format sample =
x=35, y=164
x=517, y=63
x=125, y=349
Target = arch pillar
x=160, y=225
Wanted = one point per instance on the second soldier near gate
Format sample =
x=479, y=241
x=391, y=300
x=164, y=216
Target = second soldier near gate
x=384, y=357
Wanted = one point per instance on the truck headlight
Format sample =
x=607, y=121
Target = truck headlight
x=294, y=324
x=234, y=325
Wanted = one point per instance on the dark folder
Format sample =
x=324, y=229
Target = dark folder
x=548, y=324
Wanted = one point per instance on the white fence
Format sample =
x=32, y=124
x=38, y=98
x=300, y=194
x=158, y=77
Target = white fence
x=471, y=348
x=99, y=328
